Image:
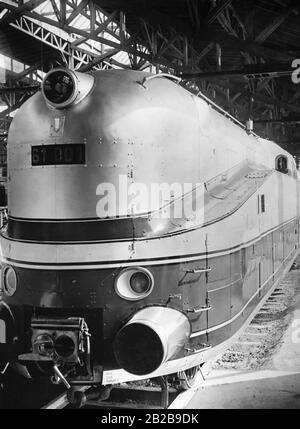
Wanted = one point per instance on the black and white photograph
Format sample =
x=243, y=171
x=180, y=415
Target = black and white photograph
x=149, y=208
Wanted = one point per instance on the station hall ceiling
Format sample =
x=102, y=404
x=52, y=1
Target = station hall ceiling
x=238, y=53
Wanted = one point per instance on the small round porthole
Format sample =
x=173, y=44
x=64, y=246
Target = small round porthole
x=9, y=281
x=134, y=283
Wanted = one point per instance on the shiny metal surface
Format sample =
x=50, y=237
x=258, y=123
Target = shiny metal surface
x=153, y=336
x=128, y=130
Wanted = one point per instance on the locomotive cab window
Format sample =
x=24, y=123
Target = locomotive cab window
x=282, y=164
x=261, y=203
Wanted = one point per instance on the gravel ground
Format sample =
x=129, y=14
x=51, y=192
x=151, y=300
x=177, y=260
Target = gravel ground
x=264, y=336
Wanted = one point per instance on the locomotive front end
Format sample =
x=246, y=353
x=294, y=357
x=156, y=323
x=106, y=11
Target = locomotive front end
x=80, y=294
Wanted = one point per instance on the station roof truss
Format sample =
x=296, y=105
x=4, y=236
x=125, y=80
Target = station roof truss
x=239, y=53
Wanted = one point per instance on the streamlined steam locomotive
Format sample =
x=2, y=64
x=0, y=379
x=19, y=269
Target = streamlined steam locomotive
x=145, y=227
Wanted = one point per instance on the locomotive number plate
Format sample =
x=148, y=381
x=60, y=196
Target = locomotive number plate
x=58, y=154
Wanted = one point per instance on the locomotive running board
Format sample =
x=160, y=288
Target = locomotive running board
x=229, y=191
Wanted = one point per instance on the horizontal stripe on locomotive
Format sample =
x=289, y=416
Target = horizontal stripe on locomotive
x=163, y=260
x=80, y=231
x=239, y=188
x=119, y=229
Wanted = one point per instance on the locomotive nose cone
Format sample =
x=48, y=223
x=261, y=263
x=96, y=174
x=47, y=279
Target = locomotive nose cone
x=151, y=337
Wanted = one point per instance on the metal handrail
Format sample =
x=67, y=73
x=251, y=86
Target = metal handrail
x=227, y=114
x=159, y=75
x=200, y=95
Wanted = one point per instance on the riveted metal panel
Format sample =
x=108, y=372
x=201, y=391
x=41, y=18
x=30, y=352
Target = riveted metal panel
x=128, y=131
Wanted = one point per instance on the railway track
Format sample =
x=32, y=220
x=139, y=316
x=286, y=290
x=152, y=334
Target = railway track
x=160, y=394
x=121, y=397
x=262, y=336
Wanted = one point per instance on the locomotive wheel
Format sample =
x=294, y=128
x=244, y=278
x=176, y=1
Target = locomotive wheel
x=187, y=379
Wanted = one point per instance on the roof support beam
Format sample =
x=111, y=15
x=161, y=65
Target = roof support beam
x=126, y=47
x=252, y=71
x=56, y=10
x=14, y=107
x=15, y=89
x=254, y=48
x=262, y=37
x=216, y=12
x=18, y=11
x=261, y=99
x=285, y=121
x=77, y=11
